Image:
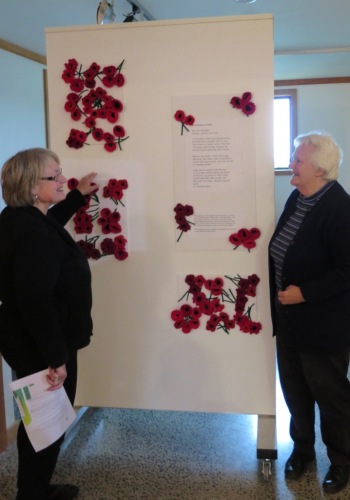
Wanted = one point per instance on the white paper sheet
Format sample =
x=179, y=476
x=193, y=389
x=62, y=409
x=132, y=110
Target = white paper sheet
x=214, y=165
x=46, y=414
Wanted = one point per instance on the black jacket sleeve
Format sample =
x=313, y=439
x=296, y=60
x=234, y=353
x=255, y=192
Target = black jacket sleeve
x=64, y=210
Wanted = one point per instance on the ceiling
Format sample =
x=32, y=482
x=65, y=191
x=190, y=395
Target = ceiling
x=311, y=37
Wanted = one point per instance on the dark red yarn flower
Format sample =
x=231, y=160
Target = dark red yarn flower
x=244, y=103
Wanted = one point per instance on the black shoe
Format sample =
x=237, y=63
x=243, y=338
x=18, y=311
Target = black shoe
x=63, y=492
x=336, y=478
x=296, y=465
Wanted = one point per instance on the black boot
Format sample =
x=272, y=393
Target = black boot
x=336, y=478
x=297, y=465
x=63, y=492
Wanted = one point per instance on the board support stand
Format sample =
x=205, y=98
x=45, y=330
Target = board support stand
x=267, y=443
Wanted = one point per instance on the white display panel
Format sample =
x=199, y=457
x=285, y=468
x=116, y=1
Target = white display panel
x=137, y=359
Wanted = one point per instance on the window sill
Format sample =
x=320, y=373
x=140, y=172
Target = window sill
x=283, y=171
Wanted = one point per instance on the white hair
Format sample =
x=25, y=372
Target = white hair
x=326, y=155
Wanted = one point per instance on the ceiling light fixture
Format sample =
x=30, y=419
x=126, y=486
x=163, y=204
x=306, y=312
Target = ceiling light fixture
x=129, y=18
x=139, y=10
x=105, y=12
x=245, y=1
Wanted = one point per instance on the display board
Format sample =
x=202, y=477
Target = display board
x=176, y=118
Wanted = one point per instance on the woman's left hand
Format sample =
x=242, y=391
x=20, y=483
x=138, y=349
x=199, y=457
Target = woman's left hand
x=291, y=295
x=86, y=184
x=56, y=377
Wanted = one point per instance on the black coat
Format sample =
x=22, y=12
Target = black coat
x=45, y=285
x=318, y=261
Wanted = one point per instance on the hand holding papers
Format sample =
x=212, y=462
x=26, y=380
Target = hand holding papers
x=46, y=414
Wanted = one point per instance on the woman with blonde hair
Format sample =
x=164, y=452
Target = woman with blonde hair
x=45, y=295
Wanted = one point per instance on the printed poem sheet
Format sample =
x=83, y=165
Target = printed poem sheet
x=214, y=170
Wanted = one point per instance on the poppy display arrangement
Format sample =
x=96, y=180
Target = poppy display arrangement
x=108, y=219
x=210, y=298
x=245, y=237
x=183, y=224
x=244, y=103
x=185, y=120
x=89, y=101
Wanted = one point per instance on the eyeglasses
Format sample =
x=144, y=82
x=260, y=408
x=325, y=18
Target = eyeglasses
x=53, y=178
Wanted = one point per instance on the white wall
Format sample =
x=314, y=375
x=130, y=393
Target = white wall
x=21, y=88
x=22, y=126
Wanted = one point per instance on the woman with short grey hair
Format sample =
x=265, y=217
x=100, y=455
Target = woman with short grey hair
x=309, y=262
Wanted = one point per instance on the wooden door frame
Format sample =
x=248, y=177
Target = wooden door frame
x=3, y=429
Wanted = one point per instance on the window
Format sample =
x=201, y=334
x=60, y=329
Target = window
x=284, y=128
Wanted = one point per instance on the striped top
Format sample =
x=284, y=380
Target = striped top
x=286, y=235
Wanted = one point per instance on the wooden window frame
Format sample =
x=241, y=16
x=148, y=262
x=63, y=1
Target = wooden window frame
x=292, y=95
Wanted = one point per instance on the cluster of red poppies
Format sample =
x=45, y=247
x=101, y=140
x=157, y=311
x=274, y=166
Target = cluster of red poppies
x=210, y=299
x=115, y=190
x=83, y=221
x=244, y=103
x=181, y=212
x=108, y=219
x=180, y=116
x=245, y=237
x=116, y=247
x=96, y=105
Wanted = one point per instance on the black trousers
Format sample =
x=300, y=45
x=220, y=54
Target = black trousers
x=35, y=469
x=308, y=378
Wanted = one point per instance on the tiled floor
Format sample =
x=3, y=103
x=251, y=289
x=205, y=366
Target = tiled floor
x=152, y=455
